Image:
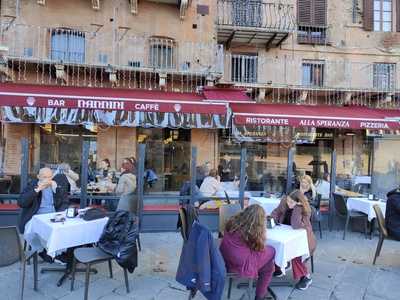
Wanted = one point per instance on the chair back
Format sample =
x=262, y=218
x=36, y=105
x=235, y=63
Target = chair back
x=340, y=205
x=15, y=185
x=381, y=220
x=228, y=200
x=10, y=246
x=225, y=213
x=317, y=202
x=183, y=223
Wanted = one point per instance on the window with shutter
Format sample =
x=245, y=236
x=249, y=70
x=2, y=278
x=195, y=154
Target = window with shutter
x=312, y=20
x=398, y=15
x=377, y=15
x=304, y=12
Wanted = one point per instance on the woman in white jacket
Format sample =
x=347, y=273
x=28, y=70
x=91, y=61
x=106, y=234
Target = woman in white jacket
x=126, y=188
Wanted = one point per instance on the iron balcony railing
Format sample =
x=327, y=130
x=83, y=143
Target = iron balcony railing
x=273, y=16
x=117, y=48
x=337, y=81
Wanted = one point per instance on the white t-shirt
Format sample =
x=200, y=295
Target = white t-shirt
x=323, y=188
x=210, y=186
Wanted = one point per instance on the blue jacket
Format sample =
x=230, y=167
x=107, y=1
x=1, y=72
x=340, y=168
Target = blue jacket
x=201, y=265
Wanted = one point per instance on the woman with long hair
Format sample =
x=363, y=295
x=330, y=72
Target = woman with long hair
x=307, y=188
x=295, y=210
x=244, y=250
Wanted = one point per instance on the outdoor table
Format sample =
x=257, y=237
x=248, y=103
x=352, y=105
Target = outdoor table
x=232, y=194
x=41, y=233
x=288, y=243
x=365, y=206
x=269, y=204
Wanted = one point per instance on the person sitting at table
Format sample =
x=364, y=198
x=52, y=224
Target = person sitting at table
x=105, y=168
x=126, y=187
x=323, y=186
x=211, y=185
x=65, y=170
x=392, y=215
x=294, y=210
x=244, y=248
x=307, y=188
x=41, y=196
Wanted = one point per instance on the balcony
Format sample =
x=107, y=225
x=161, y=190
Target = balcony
x=254, y=22
x=119, y=50
x=309, y=81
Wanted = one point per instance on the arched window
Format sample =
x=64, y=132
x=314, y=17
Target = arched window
x=68, y=46
x=162, y=53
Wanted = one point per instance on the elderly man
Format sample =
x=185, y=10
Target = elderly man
x=41, y=196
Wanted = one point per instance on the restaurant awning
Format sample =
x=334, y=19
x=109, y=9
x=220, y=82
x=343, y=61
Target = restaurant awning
x=231, y=95
x=315, y=116
x=119, y=107
x=254, y=120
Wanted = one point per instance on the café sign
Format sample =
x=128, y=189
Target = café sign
x=316, y=122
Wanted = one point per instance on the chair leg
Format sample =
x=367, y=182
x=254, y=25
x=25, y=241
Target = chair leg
x=23, y=268
x=312, y=263
x=87, y=277
x=139, y=245
x=73, y=273
x=366, y=228
x=230, y=287
x=378, y=248
x=250, y=289
x=126, y=280
x=272, y=293
x=320, y=229
x=110, y=268
x=35, y=271
x=345, y=226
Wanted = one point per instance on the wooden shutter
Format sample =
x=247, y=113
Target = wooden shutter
x=368, y=15
x=398, y=16
x=319, y=13
x=304, y=12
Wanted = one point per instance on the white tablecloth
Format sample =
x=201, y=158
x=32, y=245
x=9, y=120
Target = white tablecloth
x=41, y=233
x=365, y=206
x=232, y=194
x=288, y=243
x=269, y=204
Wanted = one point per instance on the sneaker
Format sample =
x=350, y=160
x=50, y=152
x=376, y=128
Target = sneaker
x=46, y=258
x=303, y=283
x=278, y=274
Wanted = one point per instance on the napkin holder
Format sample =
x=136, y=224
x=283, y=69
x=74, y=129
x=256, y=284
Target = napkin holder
x=270, y=222
x=72, y=212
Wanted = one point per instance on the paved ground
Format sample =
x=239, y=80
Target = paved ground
x=343, y=270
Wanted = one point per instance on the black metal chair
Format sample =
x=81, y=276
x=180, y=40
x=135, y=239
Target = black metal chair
x=12, y=252
x=90, y=257
x=343, y=212
x=383, y=234
x=316, y=216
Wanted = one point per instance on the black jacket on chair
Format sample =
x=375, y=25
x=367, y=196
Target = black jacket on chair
x=119, y=239
x=392, y=216
x=30, y=202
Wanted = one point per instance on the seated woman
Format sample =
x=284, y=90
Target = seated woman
x=244, y=250
x=105, y=169
x=209, y=188
x=295, y=210
x=308, y=189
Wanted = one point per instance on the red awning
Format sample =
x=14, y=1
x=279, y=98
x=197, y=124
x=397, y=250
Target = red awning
x=21, y=95
x=231, y=95
x=314, y=116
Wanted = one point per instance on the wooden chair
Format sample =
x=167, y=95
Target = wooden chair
x=383, y=234
x=342, y=211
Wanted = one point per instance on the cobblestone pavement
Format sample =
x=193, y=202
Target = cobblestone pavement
x=343, y=270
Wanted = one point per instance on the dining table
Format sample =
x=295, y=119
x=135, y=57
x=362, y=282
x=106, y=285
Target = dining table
x=41, y=232
x=366, y=206
x=267, y=203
